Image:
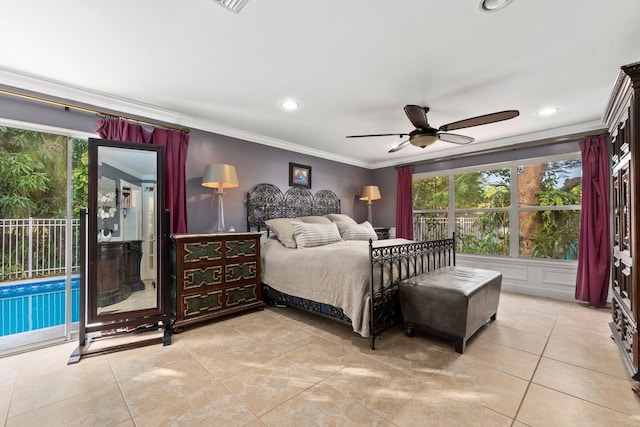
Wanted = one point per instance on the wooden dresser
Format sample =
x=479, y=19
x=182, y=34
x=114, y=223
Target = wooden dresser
x=118, y=271
x=213, y=275
x=623, y=119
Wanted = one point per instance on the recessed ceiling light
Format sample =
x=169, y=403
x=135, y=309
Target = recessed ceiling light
x=548, y=111
x=290, y=105
x=492, y=5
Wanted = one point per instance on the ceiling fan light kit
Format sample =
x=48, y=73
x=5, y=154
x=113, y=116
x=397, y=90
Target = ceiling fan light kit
x=422, y=140
x=493, y=5
x=234, y=6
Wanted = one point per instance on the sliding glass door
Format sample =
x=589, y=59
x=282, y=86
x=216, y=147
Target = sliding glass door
x=43, y=184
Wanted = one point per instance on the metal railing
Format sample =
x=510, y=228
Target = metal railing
x=36, y=247
x=434, y=228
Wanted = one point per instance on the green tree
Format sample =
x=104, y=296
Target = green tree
x=80, y=176
x=431, y=193
x=32, y=173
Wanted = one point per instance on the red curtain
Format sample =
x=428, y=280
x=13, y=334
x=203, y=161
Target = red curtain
x=404, y=203
x=175, y=157
x=594, y=255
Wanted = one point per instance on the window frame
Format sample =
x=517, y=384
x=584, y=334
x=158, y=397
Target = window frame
x=514, y=208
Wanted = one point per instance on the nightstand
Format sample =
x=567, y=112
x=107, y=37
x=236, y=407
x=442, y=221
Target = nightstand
x=382, y=232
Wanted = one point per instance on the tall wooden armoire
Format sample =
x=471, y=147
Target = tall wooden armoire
x=623, y=119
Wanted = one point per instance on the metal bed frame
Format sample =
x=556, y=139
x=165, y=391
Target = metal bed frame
x=266, y=201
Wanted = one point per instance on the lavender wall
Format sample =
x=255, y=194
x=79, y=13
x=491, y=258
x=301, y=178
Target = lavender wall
x=255, y=164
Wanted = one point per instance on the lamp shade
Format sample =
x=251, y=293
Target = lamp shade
x=220, y=176
x=370, y=192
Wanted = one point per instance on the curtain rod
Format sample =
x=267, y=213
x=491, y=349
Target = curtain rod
x=530, y=144
x=67, y=105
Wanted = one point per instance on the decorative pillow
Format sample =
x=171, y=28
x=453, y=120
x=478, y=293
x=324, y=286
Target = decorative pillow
x=314, y=219
x=311, y=235
x=341, y=218
x=362, y=231
x=283, y=229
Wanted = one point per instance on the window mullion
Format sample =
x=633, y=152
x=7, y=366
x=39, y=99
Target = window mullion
x=514, y=217
x=451, y=215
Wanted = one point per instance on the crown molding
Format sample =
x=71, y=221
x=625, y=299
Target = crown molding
x=547, y=134
x=68, y=92
x=63, y=91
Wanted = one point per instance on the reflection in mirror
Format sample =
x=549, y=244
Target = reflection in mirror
x=127, y=218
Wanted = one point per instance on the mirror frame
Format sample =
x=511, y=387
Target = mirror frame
x=124, y=319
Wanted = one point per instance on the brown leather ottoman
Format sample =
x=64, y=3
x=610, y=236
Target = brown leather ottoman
x=451, y=302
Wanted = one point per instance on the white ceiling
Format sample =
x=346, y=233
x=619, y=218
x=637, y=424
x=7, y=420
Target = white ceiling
x=351, y=65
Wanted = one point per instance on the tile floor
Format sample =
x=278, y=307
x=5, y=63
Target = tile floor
x=542, y=363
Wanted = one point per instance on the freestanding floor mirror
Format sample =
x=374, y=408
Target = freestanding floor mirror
x=122, y=285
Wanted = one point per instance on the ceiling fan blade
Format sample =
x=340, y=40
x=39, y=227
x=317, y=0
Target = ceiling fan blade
x=378, y=134
x=399, y=146
x=455, y=138
x=481, y=120
x=417, y=116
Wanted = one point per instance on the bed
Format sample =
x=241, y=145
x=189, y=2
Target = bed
x=349, y=279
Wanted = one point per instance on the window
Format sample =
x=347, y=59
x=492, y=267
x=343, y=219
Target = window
x=482, y=201
x=537, y=201
x=549, y=197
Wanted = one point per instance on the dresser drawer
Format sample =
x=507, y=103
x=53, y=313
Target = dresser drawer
x=214, y=275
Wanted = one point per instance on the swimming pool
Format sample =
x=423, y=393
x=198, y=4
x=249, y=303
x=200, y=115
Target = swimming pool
x=36, y=304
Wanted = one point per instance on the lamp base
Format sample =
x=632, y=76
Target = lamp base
x=220, y=226
x=369, y=213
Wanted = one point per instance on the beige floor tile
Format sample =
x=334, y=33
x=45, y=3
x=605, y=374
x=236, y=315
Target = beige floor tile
x=180, y=383
x=434, y=404
x=287, y=339
x=225, y=362
x=209, y=404
x=412, y=356
x=501, y=358
x=545, y=407
x=595, y=387
x=374, y=384
x=494, y=389
x=212, y=334
x=8, y=376
x=526, y=321
x=603, y=358
x=126, y=364
x=262, y=388
x=321, y=405
x=322, y=357
x=290, y=367
x=256, y=423
x=509, y=337
x=101, y=406
x=42, y=384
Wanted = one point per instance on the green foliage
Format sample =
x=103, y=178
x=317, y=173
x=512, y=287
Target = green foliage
x=80, y=176
x=488, y=234
x=558, y=233
x=431, y=193
x=32, y=171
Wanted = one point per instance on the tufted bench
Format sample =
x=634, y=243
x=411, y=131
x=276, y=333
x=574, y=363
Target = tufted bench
x=451, y=302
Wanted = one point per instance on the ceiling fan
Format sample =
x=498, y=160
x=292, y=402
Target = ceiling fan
x=424, y=135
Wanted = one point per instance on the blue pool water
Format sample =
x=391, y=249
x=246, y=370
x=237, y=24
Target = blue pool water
x=36, y=304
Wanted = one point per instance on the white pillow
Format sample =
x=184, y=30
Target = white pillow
x=341, y=218
x=311, y=235
x=283, y=230
x=314, y=219
x=362, y=231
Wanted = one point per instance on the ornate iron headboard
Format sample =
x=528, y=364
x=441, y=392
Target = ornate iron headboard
x=266, y=201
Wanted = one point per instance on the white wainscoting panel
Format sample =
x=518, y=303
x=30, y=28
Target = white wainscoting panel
x=543, y=278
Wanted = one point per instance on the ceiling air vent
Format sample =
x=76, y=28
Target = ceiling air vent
x=234, y=6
